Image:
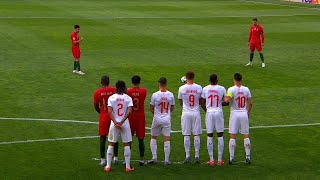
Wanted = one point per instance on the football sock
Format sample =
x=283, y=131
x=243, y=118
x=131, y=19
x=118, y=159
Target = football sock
x=79, y=65
x=166, y=151
x=102, y=149
x=210, y=148
x=251, y=57
x=220, y=148
x=261, y=57
x=232, y=147
x=116, y=149
x=246, y=143
x=127, y=155
x=153, y=147
x=196, y=141
x=109, y=155
x=74, y=65
x=141, y=148
x=186, y=140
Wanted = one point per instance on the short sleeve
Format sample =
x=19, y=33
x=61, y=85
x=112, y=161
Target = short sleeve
x=152, y=100
x=203, y=94
x=180, y=93
x=109, y=102
x=130, y=102
x=224, y=91
x=249, y=93
x=172, y=99
x=95, y=97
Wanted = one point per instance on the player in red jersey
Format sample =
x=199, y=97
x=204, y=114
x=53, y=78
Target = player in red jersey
x=75, y=40
x=100, y=102
x=137, y=118
x=256, y=41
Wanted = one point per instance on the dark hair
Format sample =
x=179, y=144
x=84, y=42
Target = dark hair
x=162, y=81
x=121, y=87
x=76, y=26
x=135, y=79
x=213, y=79
x=105, y=80
x=237, y=77
x=254, y=19
x=190, y=75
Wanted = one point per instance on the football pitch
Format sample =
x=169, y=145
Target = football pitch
x=48, y=124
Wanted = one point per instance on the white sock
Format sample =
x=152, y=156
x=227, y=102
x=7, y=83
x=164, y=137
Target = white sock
x=232, y=148
x=220, y=148
x=166, y=151
x=153, y=147
x=115, y=158
x=210, y=148
x=196, y=140
x=103, y=160
x=186, y=140
x=246, y=143
x=109, y=156
x=127, y=155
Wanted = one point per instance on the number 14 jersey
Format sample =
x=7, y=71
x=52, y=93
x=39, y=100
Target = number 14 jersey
x=239, y=97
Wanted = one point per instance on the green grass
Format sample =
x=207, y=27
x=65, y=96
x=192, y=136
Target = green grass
x=153, y=39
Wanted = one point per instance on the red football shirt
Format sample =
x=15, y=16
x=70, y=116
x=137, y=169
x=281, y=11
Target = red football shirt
x=255, y=33
x=138, y=96
x=75, y=37
x=101, y=97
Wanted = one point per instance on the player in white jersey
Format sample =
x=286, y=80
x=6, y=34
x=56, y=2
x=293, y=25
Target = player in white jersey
x=189, y=97
x=119, y=108
x=161, y=106
x=211, y=102
x=241, y=104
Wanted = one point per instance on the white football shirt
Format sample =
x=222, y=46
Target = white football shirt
x=239, y=97
x=213, y=94
x=162, y=102
x=119, y=104
x=190, y=95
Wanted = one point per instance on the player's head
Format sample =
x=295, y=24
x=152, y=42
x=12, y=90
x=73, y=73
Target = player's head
x=162, y=82
x=121, y=87
x=105, y=80
x=255, y=21
x=237, y=77
x=76, y=28
x=213, y=79
x=190, y=75
x=136, y=80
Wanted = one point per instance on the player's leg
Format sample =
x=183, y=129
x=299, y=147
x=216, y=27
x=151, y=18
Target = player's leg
x=197, y=131
x=244, y=129
x=141, y=132
x=77, y=50
x=219, y=127
x=75, y=62
x=209, y=127
x=112, y=138
x=126, y=139
x=155, y=131
x=186, y=132
x=103, y=139
x=259, y=49
x=103, y=132
x=233, y=130
x=166, y=128
x=251, y=50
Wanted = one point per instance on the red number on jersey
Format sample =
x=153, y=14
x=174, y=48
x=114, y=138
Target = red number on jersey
x=164, y=106
x=211, y=97
x=120, y=106
x=136, y=105
x=191, y=100
x=241, y=101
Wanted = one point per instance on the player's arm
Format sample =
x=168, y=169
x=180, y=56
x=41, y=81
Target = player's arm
x=249, y=37
x=125, y=117
x=225, y=103
x=110, y=111
x=181, y=102
x=96, y=106
x=171, y=108
x=203, y=104
x=96, y=102
x=152, y=108
x=75, y=42
x=249, y=106
x=262, y=37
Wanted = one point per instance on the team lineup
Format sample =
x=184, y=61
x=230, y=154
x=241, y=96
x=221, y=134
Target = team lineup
x=122, y=115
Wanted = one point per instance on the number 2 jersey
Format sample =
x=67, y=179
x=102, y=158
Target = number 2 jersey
x=213, y=94
x=190, y=95
x=120, y=103
x=239, y=96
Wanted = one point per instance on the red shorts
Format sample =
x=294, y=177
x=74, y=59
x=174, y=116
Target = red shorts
x=255, y=45
x=76, y=52
x=104, y=124
x=138, y=126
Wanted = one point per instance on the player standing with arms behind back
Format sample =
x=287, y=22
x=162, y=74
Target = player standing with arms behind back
x=100, y=102
x=161, y=106
x=256, y=41
x=75, y=40
x=189, y=98
x=211, y=102
x=119, y=108
x=137, y=117
x=241, y=104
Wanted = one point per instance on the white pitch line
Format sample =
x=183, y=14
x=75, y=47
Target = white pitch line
x=157, y=17
x=50, y=120
x=286, y=5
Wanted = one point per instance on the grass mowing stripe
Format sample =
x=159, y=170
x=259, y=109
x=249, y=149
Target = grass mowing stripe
x=50, y=120
x=286, y=5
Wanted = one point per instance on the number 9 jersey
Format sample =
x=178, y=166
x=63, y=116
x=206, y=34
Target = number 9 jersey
x=190, y=95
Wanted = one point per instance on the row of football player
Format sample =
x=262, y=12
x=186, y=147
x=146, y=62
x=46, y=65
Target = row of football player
x=191, y=96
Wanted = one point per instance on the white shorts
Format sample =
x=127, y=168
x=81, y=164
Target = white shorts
x=115, y=133
x=161, y=126
x=239, y=122
x=191, y=122
x=214, y=122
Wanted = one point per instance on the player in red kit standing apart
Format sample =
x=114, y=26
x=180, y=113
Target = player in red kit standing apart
x=75, y=40
x=137, y=117
x=100, y=102
x=256, y=41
